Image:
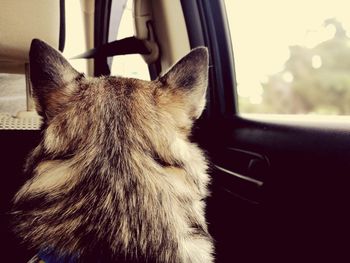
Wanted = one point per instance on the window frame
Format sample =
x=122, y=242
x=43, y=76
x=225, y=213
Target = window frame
x=207, y=25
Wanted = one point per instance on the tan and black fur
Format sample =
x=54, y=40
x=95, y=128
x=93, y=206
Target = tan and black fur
x=115, y=177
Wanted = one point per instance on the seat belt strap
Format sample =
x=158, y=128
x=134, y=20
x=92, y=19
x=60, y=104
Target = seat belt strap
x=125, y=46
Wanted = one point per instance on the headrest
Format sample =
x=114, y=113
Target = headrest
x=23, y=20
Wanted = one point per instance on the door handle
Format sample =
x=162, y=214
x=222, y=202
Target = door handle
x=241, y=173
x=246, y=165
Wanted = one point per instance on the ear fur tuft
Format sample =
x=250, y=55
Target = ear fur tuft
x=188, y=79
x=189, y=71
x=50, y=73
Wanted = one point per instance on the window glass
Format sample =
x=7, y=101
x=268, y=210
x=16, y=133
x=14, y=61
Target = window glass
x=132, y=66
x=75, y=35
x=291, y=57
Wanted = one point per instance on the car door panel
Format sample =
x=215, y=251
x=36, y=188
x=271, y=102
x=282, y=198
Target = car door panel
x=299, y=209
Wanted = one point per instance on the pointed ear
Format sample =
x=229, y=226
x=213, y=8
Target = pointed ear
x=186, y=82
x=51, y=76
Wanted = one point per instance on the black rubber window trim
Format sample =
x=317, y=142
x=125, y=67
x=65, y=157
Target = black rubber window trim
x=62, y=34
x=101, y=30
x=207, y=25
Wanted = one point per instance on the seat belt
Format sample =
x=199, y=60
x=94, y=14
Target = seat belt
x=125, y=46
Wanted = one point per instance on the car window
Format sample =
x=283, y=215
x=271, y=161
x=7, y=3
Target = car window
x=291, y=57
x=75, y=35
x=129, y=65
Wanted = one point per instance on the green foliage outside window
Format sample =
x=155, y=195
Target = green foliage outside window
x=314, y=80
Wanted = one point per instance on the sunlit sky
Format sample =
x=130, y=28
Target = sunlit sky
x=262, y=31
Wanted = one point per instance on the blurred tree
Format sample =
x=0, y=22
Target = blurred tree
x=314, y=80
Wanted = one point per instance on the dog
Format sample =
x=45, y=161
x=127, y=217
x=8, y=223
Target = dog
x=115, y=177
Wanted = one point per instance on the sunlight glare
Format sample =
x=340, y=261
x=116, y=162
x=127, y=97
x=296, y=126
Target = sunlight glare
x=263, y=31
x=316, y=62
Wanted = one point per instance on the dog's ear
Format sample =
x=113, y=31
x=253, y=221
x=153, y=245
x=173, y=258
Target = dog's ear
x=186, y=83
x=51, y=76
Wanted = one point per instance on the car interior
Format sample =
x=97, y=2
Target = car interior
x=280, y=187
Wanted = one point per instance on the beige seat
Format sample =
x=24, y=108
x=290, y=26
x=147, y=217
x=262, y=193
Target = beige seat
x=20, y=22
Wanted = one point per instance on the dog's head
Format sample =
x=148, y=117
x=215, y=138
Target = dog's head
x=101, y=138
x=79, y=111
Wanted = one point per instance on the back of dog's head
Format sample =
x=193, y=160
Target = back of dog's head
x=115, y=163
x=81, y=112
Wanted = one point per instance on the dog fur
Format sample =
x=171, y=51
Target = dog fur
x=115, y=177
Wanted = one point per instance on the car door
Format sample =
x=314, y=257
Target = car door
x=280, y=188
